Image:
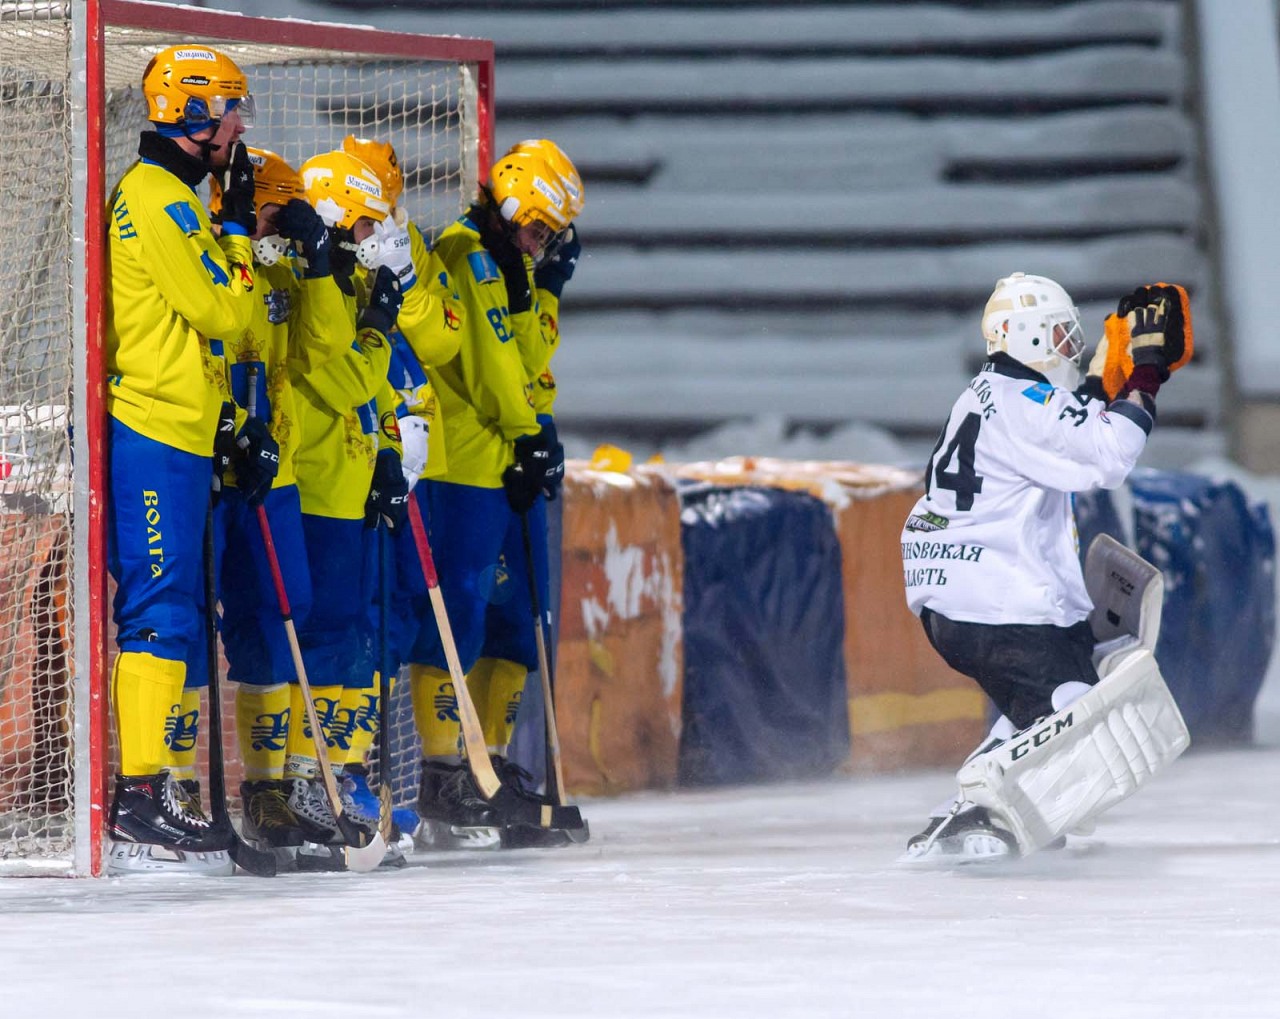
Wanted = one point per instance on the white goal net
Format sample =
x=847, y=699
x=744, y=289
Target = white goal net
x=70, y=114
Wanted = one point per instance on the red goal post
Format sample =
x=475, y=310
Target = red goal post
x=70, y=112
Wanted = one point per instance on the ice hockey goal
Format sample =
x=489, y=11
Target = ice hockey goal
x=70, y=113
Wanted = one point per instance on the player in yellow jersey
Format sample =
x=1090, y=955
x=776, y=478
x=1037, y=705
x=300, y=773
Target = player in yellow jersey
x=500, y=458
x=172, y=285
x=427, y=334
x=349, y=475
x=289, y=327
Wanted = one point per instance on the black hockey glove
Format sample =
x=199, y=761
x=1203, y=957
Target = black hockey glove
x=527, y=478
x=300, y=223
x=498, y=238
x=553, y=475
x=259, y=461
x=388, y=494
x=238, y=214
x=224, y=443
x=559, y=262
x=385, y=299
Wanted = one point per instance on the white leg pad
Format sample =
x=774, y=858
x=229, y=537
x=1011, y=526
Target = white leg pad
x=1059, y=774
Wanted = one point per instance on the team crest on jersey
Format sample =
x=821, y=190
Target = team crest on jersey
x=1040, y=393
x=452, y=320
x=483, y=267
x=185, y=216
x=547, y=381
x=389, y=426
x=246, y=275
x=927, y=522
x=279, y=303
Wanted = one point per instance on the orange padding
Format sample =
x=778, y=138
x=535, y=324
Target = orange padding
x=1188, y=340
x=35, y=672
x=618, y=698
x=619, y=663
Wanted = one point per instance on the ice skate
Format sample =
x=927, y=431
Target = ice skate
x=454, y=814
x=966, y=835
x=526, y=836
x=268, y=819
x=156, y=828
x=310, y=805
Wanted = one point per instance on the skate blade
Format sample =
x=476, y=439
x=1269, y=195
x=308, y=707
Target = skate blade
x=980, y=849
x=319, y=858
x=438, y=836
x=132, y=858
x=524, y=836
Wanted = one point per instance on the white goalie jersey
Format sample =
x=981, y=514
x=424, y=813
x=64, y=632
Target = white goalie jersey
x=993, y=539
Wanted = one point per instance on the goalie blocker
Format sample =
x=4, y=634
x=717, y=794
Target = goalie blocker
x=1059, y=774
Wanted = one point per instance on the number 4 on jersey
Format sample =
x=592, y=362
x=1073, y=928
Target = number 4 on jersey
x=964, y=481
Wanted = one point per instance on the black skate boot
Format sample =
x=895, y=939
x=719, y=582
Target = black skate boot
x=454, y=814
x=268, y=821
x=155, y=827
x=525, y=836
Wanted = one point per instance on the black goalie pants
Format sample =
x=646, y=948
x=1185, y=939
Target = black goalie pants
x=1018, y=665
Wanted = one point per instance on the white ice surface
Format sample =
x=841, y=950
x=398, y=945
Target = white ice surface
x=776, y=901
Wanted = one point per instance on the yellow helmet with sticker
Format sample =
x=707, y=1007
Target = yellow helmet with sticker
x=343, y=189
x=381, y=158
x=527, y=189
x=192, y=86
x=555, y=158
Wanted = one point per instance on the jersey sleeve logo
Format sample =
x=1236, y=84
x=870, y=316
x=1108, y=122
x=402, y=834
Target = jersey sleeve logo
x=483, y=267
x=185, y=216
x=1040, y=393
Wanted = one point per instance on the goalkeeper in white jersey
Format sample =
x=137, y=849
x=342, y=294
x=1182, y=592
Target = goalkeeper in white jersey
x=990, y=557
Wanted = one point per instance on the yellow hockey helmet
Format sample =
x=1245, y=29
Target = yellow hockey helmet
x=528, y=189
x=274, y=181
x=381, y=159
x=561, y=164
x=192, y=86
x=343, y=188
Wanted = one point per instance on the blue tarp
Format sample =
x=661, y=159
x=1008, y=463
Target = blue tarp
x=1217, y=554
x=764, y=678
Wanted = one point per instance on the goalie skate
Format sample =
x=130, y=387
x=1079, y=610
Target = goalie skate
x=1062, y=772
x=966, y=835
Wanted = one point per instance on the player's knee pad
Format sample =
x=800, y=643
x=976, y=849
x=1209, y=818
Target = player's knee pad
x=1063, y=771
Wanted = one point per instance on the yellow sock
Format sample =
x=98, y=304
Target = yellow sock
x=300, y=757
x=435, y=710
x=502, y=701
x=144, y=689
x=262, y=729
x=361, y=707
x=181, y=732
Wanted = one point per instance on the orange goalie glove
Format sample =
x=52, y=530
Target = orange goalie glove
x=1152, y=325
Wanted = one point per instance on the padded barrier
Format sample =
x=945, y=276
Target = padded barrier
x=1217, y=553
x=764, y=684
x=618, y=666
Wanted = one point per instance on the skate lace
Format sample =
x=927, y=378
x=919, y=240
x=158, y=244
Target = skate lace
x=180, y=806
x=461, y=789
x=312, y=803
x=270, y=808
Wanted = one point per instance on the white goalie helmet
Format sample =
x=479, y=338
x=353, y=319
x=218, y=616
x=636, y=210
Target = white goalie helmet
x=1033, y=320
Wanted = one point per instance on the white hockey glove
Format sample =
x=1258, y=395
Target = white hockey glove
x=414, y=432
x=393, y=248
